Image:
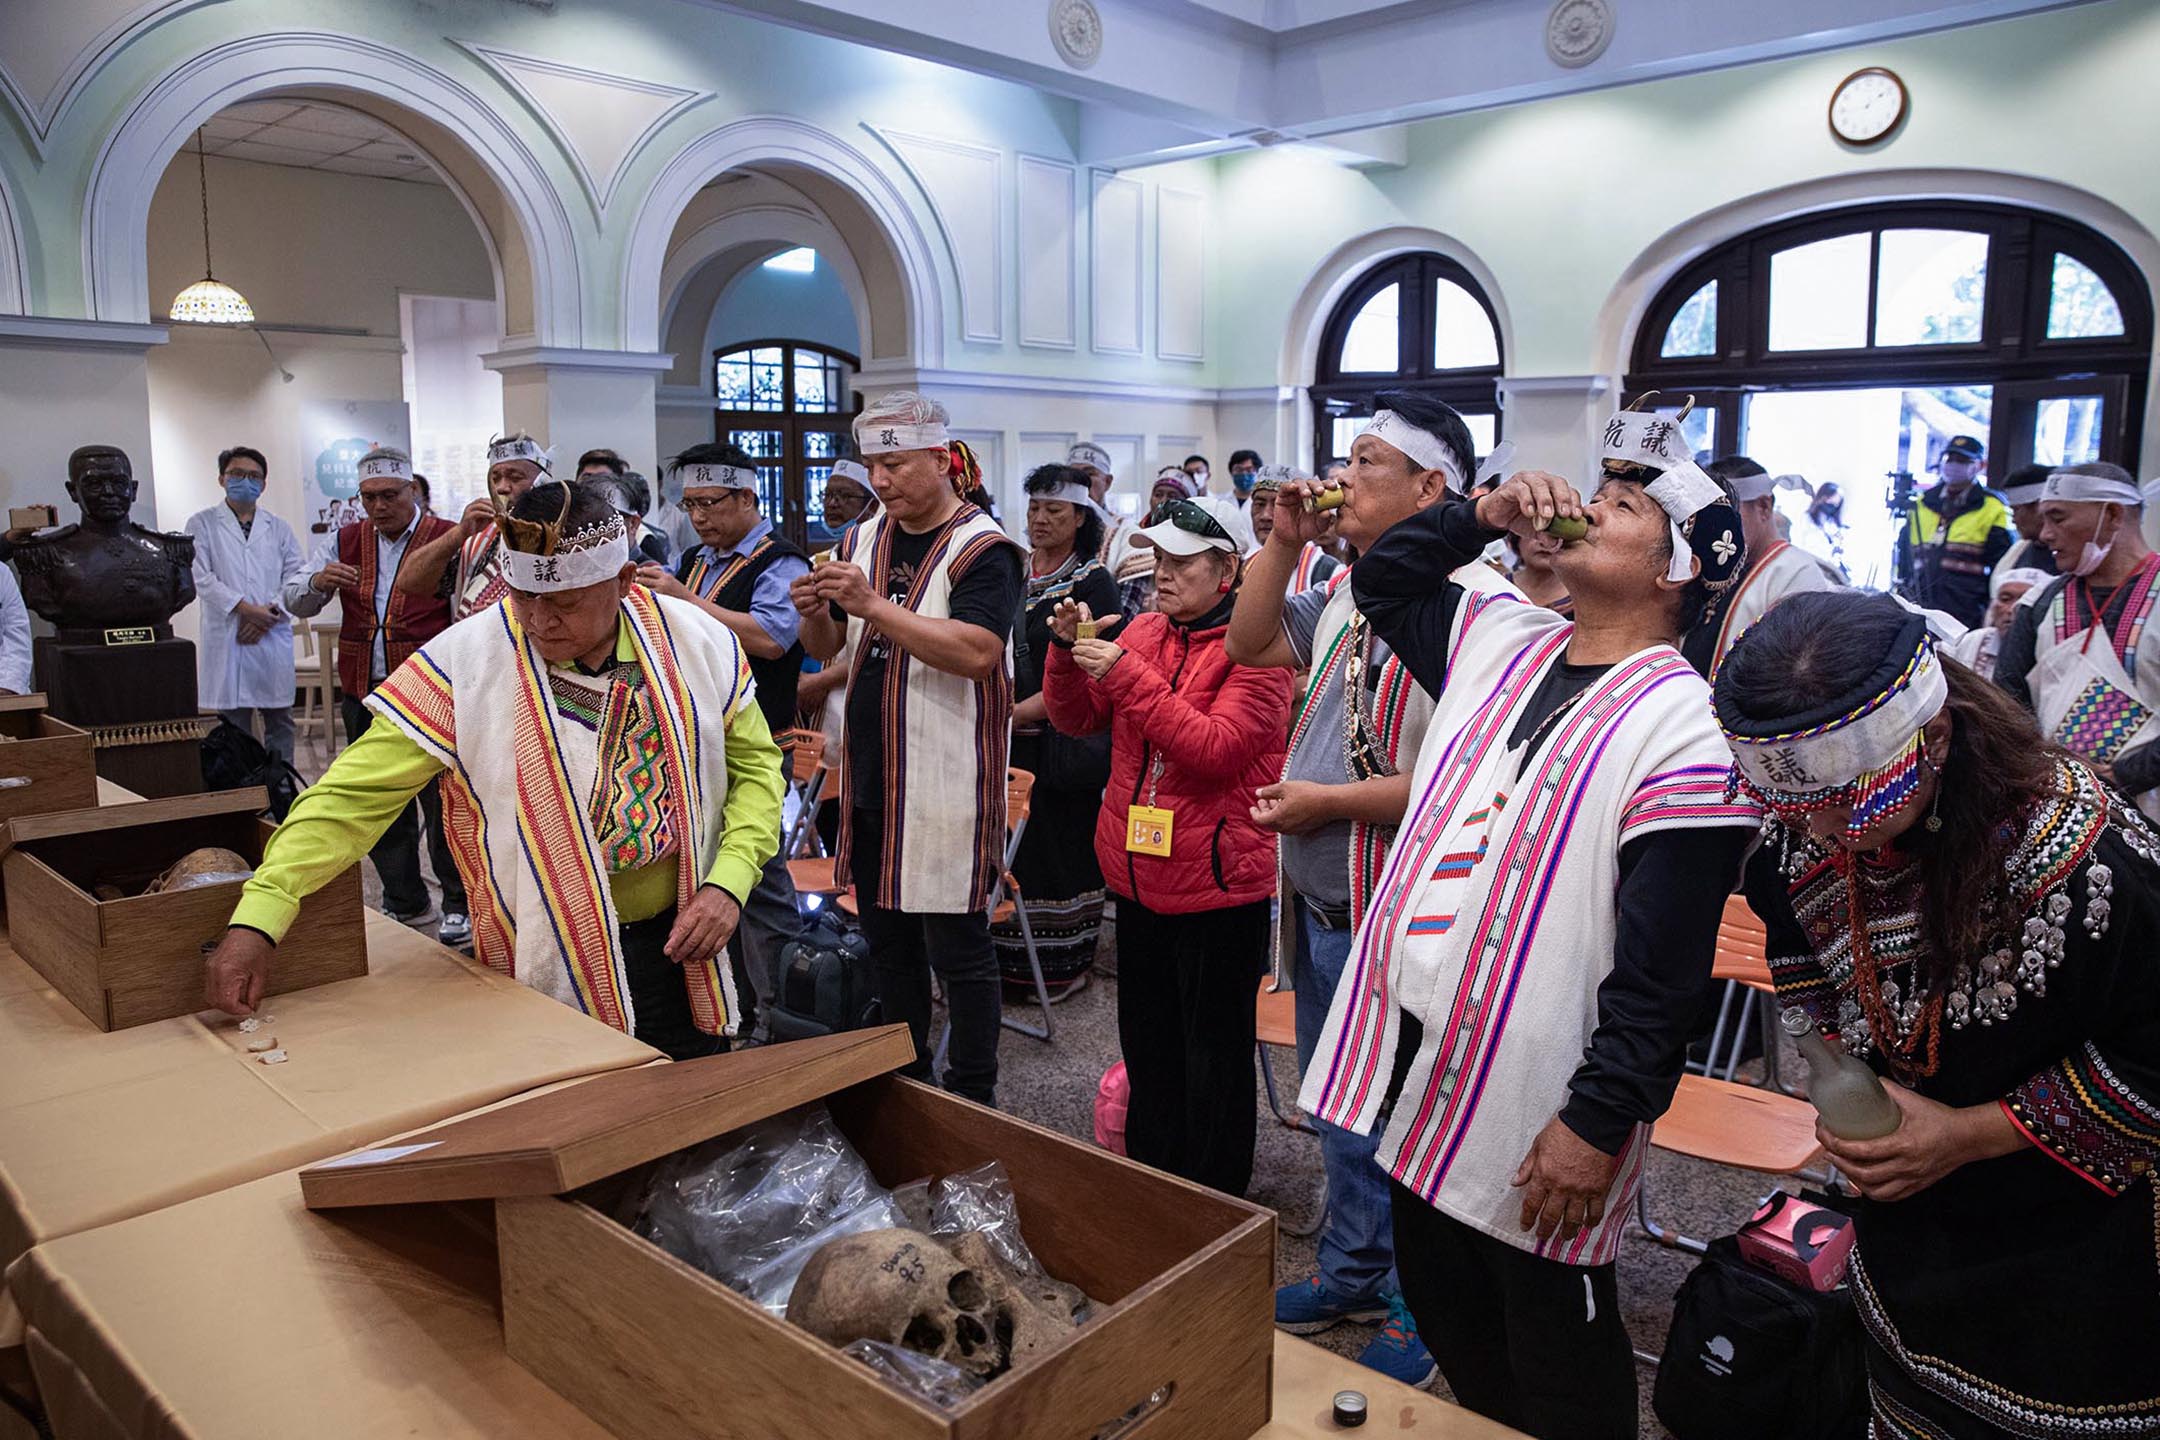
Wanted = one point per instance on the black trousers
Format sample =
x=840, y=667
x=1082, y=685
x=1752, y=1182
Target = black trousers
x=1187, y=988
x=904, y=949
x=1529, y=1342
x=659, y=1002
x=397, y=853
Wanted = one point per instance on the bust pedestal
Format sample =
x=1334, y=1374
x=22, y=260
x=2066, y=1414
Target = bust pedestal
x=136, y=698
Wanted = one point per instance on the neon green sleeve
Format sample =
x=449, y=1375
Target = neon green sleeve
x=335, y=822
x=750, y=820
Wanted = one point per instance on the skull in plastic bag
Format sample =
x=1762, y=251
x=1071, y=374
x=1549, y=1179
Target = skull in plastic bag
x=902, y=1287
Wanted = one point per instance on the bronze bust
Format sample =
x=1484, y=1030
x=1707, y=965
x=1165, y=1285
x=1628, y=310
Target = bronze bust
x=105, y=571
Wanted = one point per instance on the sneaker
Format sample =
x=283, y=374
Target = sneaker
x=456, y=929
x=1307, y=1308
x=414, y=918
x=1396, y=1351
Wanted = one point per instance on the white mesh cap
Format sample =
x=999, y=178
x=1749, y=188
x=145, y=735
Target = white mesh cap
x=901, y=420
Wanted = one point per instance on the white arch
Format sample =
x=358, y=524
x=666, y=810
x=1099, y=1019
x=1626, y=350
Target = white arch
x=778, y=140
x=779, y=224
x=14, y=277
x=1332, y=278
x=125, y=174
x=1623, y=311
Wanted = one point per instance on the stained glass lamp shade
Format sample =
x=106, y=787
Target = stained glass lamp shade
x=209, y=301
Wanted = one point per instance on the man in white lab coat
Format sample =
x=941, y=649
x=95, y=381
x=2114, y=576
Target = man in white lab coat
x=14, y=637
x=244, y=559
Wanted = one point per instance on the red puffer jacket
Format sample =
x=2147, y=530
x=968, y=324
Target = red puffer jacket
x=1219, y=730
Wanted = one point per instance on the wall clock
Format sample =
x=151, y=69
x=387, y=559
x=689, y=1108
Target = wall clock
x=1867, y=105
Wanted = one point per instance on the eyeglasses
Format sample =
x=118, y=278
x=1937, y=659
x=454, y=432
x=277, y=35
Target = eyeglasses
x=1194, y=519
x=697, y=503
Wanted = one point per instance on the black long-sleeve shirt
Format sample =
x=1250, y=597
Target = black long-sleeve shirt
x=1672, y=886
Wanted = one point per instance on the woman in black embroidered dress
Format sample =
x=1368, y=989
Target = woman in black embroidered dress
x=1971, y=911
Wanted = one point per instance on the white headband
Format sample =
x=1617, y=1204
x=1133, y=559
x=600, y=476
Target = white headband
x=851, y=470
x=2071, y=486
x=1860, y=746
x=2025, y=494
x=1422, y=446
x=1642, y=437
x=519, y=447
x=1490, y=467
x=1087, y=453
x=2022, y=575
x=386, y=467
x=1274, y=475
x=1755, y=487
x=875, y=438
x=724, y=477
x=602, y=558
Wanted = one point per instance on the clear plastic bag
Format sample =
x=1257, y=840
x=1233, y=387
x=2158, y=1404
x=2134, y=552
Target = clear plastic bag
x=750, y=1209
x=981, y=1200
x=924, y=1376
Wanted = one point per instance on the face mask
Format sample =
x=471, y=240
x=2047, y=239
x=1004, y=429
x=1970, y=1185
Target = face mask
x=1201, y=476
x=244, y=488
x=2093, y=556
x=1244, y=480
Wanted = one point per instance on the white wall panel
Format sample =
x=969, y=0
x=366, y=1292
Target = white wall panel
x=962, y=181
x=1114, y=261
x=1180, y=275
x=1047, y=220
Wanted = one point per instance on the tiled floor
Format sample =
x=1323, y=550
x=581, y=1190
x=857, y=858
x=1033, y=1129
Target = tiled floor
x=1053, y=1084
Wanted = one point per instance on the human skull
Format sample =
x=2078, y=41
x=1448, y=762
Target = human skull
x=1042, y=1310
x=184, y=873
x=902, y=1287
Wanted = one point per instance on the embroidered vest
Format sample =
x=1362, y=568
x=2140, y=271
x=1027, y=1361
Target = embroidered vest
x=730, y=584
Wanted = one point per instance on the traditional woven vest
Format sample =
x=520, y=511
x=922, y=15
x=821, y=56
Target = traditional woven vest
x=409, y=621
x=730, y=583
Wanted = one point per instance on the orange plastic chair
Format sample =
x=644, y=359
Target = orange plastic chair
x=1007, y=903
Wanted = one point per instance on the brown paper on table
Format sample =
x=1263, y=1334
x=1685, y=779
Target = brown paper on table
x=97, y=1127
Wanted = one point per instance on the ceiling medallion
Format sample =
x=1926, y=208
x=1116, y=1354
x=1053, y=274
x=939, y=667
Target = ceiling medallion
x=1076, y=30
x=1578, y=31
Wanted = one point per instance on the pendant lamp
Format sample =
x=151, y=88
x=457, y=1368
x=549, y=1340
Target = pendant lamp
x=209, y=301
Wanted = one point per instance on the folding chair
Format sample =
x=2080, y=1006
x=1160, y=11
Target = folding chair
x=1007, y=903
x=1742, y=964
x=805, y=752
x=1742, y=1126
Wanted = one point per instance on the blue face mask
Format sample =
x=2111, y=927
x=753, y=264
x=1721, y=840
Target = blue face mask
x=244, y=488
x=1244, y=480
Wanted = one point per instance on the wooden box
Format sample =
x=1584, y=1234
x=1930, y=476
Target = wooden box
x=45, y=764
x=1181, y=1346
x=139, y=959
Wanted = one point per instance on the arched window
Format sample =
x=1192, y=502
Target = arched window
x=789, y=406
x=1417, y=322
x=1850, y=346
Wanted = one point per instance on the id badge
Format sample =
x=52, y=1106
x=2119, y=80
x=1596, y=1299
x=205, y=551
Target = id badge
x=1147, y=830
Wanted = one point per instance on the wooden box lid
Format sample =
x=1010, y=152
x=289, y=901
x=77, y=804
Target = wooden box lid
x=570, y=1138
x=245, y=801
x=35, y=700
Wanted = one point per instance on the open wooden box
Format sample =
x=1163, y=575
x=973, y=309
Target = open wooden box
x=45, y=764
x=138, y=959
x=648, y=1346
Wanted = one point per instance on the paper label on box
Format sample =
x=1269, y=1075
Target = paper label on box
x=382, y=1156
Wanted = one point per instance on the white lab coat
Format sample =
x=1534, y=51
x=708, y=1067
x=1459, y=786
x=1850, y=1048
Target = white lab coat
x=229, y=568
x=14, y=636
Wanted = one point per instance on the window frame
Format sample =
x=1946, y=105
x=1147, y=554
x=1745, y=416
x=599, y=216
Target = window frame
x=791, y=422
x=1473, y=390
x=2013, y=346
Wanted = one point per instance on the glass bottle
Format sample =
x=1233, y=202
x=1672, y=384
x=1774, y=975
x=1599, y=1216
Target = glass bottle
x=1844, y=1091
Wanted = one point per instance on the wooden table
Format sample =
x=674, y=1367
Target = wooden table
x=98, y=1127
x=1307, y=1377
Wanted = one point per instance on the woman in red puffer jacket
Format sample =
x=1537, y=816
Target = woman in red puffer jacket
x=1191, y=736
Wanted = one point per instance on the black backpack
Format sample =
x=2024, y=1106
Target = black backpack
x=232, y=759
x=1752, y=1354
x=826, y=985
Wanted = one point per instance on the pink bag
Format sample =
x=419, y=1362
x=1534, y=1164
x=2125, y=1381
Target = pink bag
x=1111, y=1098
